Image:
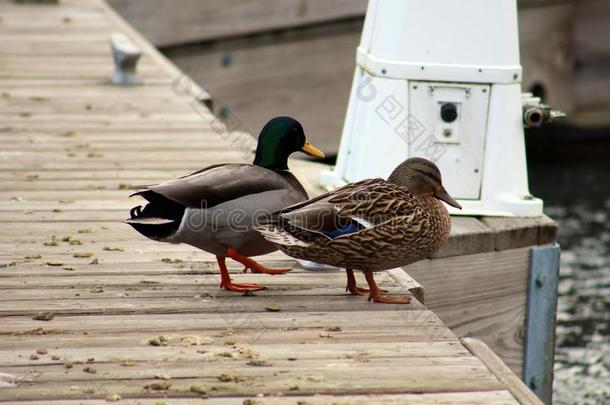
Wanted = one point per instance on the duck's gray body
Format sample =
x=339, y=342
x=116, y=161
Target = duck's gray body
x=230, y=223
x=216, y=207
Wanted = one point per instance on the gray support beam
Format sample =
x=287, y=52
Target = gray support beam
x=539, y=351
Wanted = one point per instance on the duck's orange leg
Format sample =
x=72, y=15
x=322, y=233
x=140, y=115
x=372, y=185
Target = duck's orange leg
x=225, y=279
x=376, y=296
x=253, y=265
x=352, y=287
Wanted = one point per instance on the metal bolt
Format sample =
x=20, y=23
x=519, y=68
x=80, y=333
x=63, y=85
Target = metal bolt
x=383, y=71
x=205, y=99
x=227, y=59
x=447, y=132
x=540, y=279
x=536, y=382
x=224, y=112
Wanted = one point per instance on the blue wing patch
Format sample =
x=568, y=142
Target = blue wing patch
x=351, y=227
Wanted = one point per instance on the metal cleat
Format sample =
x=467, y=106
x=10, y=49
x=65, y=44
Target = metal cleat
x=126, y=56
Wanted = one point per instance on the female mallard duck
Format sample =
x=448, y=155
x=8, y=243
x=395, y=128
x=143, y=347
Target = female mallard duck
x=371, y=225
x=215, y=208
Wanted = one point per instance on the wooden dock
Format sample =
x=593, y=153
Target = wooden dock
x=92, y=312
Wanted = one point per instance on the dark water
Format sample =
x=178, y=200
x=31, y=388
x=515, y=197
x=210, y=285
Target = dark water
x=575, y=186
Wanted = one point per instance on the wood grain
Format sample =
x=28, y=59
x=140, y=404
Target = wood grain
x=457, y=398
x=196, y=21
x=75, y=148
x=496, y=366
x=305, y=73
x=512, y=233
x=482, y=295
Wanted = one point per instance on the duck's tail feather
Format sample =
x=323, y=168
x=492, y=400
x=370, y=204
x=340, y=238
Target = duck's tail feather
x=159, y=219
x=280, y=236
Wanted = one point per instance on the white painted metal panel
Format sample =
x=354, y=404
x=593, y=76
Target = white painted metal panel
x=414, y=57
x=460, y=144
x=377, y=146
x=464, y=32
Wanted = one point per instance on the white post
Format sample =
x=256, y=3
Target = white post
x=441, y=79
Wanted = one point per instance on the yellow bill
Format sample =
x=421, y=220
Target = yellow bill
x=312, y=150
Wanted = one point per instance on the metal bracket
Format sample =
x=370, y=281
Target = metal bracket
x=205, y=99
x=126, y=56
x=539, y=350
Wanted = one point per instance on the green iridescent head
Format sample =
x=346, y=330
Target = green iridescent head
x=279, y=138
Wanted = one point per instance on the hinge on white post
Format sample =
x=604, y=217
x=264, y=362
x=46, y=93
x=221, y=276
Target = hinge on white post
x=126, y=56
x=536, y=113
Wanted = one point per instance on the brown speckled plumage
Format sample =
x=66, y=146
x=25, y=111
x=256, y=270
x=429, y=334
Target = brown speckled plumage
x=371, y=225
x=405, y=228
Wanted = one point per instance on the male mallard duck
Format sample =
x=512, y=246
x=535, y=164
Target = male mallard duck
x=214, y=208
x=371, y=225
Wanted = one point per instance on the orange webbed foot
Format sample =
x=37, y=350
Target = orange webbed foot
x=388, y=299
x=227, y=284
x=259, y=268
x=250, y=264
x=240, y=287
x=376, y=296
x=352, y=287
x=355, y=290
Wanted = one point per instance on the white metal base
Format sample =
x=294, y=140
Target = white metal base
x=504, y=205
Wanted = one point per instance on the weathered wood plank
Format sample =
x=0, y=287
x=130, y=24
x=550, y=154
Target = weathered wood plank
x=482, y=295
x=323, y=301
x=457, y=398
x=512, y=233
x=75, y=104
x=468, y=235
x=113, y=349
x=67, y=67
x=493, y=362
x=54, y=44
x=133, y=344
x=276, y=332
x=197, y=21
x=319, y=83
x=321, y=380
x=31, y=174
